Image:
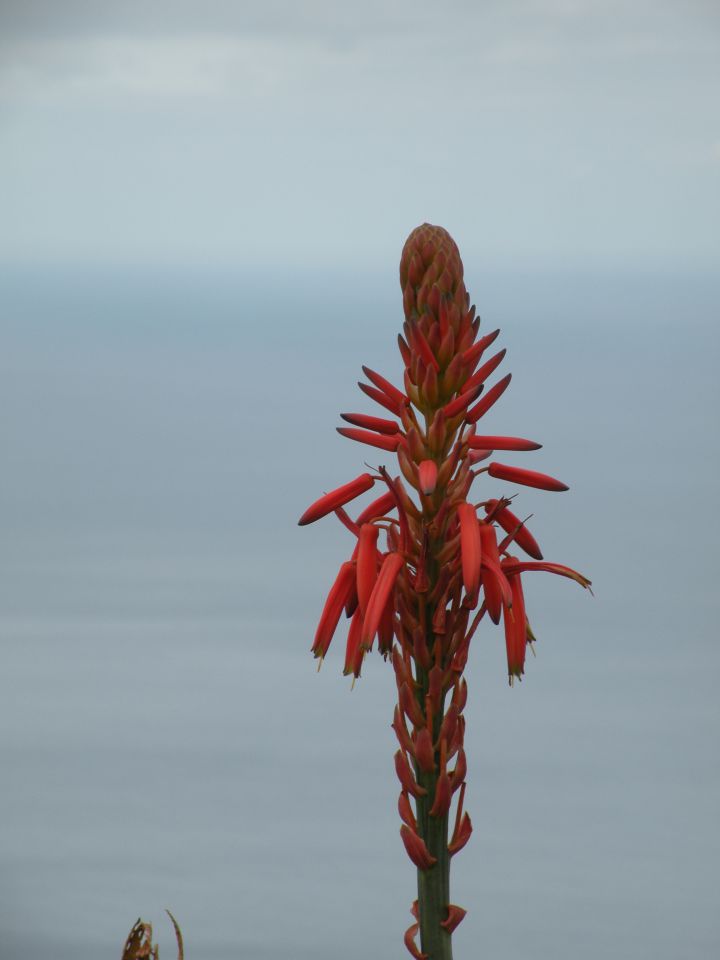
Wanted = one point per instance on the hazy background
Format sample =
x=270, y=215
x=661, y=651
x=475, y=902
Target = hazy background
x=202, y=211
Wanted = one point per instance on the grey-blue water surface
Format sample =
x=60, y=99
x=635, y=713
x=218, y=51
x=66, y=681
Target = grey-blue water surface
x=165, y=739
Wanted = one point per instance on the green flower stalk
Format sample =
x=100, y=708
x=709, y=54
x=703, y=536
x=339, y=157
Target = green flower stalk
x=429, y=562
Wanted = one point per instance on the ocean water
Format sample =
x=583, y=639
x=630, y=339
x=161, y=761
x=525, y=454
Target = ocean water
x=165, y=739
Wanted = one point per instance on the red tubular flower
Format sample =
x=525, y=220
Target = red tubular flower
x=470, y=548
x=515, y=635
x=491, y=397
x=378, y=424
x=377, y=508
x=336, y=600
x=367, y=563
x=483, y=372
x=382, y=398
x=502, y=443
x=529, y=478
x=473, y=354
x=423, y=561
x=336, y=498
x=392, y=564
x=390, y=391
x=371, y=438
x=427, y=475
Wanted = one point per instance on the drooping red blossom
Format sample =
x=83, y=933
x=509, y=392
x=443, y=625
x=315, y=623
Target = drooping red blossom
x=428, y=560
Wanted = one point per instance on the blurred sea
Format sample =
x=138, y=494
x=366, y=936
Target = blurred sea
x=165, y=740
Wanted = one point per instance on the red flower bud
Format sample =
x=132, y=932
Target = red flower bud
x=378, y=508
x=382, y=398
x=529, y=478
x=470, y=548
x=502, y=443
x=336, y=599
x=380, y=440
x=367, y=563
x=371, y=423
x=427, y=476
x=461, y=402
x=392, y=564
x=390, y=391
x=515, y=634
x=336, y=498
x=483, y=372
x=493, y=394
x=353, y=653
x=473, y=354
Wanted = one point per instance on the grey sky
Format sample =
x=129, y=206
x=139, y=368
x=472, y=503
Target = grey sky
x=543, y=132
x=202, y=207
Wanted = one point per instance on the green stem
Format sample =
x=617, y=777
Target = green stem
x=434, y=884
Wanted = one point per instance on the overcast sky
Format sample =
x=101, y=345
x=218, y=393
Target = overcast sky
x=297, y=133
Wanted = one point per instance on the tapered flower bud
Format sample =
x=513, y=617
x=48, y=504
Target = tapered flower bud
x=389, y=389
x=382, y=398
x=491, y=573
x=529, y=478
x=367, y=563
x=427, y=476
x=515, y=634
x=392, y=564
x=470, y=548
x=493, y=394
x=353, y=653
x=502, y=443
x=336, y=498
x=462, y=402
x=379, y=424
x=483, y=372
x=372, y=439
x=336, y=599
x=378, y=508
x=416, y=849
x=471, y=356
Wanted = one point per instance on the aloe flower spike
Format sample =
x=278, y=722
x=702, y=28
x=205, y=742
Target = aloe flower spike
x=426, y=568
